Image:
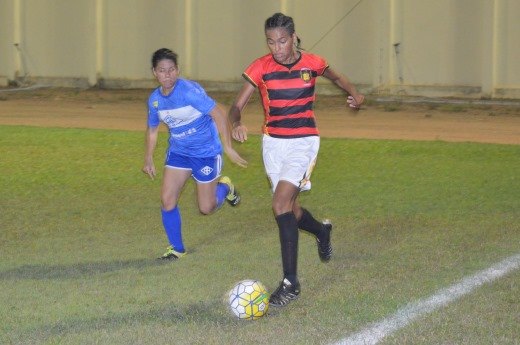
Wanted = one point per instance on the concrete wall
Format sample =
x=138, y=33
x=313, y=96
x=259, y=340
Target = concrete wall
x=418, y=47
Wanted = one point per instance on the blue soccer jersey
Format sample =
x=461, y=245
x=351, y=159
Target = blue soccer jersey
x=186, y=113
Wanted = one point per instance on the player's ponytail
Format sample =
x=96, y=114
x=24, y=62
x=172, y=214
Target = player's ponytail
x=299, y=43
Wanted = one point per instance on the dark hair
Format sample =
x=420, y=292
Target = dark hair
x=161, y=54
x=280, y=20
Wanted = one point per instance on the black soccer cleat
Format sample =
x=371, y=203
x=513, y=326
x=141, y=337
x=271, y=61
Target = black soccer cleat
x=233, y=198
x=284, y=294
x=323, y=241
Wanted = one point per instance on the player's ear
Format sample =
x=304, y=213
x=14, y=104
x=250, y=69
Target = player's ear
x=295, y=40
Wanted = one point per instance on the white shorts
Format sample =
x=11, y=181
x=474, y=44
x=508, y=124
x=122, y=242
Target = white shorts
x=290, y=160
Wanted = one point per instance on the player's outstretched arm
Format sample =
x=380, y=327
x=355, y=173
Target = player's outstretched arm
x=239, y=131
x=355, y=99
x=220, y=118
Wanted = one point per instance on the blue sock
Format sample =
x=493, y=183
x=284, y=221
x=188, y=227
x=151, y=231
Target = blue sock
x=172, y=225
x=222, y=192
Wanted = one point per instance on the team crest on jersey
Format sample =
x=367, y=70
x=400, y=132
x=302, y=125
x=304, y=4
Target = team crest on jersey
x=155, y=104
x=306, y=75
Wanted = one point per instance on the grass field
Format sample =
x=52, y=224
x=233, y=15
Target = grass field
x=80, y=229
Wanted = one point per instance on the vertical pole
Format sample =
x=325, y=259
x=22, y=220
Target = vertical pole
x=17, y=37
x=284, y=7
x=99, y=43
x=395, y=38
x=381, y=15
x=495, y=59
x=188, y=38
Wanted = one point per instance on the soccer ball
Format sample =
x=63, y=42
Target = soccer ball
x=249, y=300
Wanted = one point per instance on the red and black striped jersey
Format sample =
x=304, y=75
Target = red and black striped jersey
x=287, y=94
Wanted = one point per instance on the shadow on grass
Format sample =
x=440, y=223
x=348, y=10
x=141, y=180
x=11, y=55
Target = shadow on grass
x=75, y=270
x=201, y=312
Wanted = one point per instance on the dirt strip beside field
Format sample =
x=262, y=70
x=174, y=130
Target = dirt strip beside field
x=126, y=110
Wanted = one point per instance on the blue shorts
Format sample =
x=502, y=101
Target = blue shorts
x=203, y=170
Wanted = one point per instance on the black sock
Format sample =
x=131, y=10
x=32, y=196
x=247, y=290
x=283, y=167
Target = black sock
x=309, y=224
x=288, y=228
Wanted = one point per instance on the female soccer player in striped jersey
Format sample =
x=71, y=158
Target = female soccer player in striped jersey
x=286, y=79
x=194, y=121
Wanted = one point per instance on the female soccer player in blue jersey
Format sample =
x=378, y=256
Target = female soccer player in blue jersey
x=194, y=121
x=286, y=78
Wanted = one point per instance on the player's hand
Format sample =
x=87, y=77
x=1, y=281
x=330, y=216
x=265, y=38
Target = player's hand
x=355, y=102
x=149, y=169
x=235, y=157
x=239, y=133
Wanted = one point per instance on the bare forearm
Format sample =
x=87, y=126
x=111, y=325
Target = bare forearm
x=150, y=143
x=235, y=116
x=341, y=81
x=235, y=112
x=219, y=116
x=355, y=99
x=222, y=122
x=239, y=131
x=346, y=85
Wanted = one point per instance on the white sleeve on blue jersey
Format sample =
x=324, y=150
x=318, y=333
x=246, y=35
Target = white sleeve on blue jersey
x=198, y=98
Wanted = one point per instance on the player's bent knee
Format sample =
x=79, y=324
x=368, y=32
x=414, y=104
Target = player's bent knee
x=207, y=209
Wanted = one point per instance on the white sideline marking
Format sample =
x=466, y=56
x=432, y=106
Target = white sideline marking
x=402, y=317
